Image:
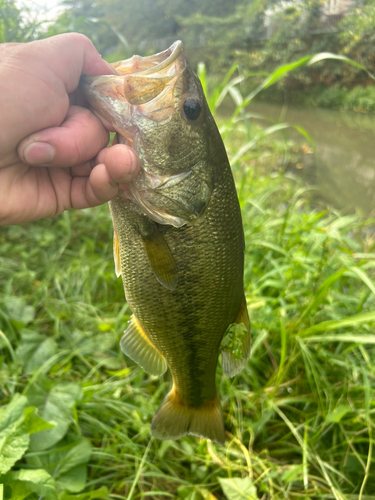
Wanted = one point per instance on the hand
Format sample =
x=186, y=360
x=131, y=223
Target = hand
x=53, y=153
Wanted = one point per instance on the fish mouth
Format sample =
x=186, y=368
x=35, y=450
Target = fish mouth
x=141, y=86
x=144, y=86
x=138, y=80
x=150, y=65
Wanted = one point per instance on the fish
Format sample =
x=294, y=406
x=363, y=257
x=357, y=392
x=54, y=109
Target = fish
x=178, y=238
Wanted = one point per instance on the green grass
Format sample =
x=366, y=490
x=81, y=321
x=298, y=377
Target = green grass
x=299, y=418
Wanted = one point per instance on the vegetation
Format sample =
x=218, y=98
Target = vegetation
x=358, y=99
x=13, y=26
x=255, y=36
x=75, y=413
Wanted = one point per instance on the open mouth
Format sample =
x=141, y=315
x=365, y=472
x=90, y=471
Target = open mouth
x=139, y=80
x=157, y=63
x=145, y=87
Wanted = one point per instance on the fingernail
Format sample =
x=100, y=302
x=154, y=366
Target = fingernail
x=111, y=70
x=132, y=168
x=39, y=153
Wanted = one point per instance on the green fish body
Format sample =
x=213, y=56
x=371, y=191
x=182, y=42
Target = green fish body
x=179, y=243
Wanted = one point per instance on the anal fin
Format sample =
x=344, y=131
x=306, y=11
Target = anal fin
x=159, y=256
x=235, y=346
x=174, y=419
x=136, y=344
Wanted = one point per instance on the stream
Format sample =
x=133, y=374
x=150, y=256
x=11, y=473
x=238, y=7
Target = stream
x=345, y=151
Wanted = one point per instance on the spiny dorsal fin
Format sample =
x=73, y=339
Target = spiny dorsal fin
x=136, y=344
x=116, y=254
x=159, y=256
x=235, y=346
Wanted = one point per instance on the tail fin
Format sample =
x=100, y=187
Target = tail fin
x=174, y=420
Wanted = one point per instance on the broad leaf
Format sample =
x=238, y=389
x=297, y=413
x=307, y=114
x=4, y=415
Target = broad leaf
x=18, y=491
x=14, y=437
x=76, y=455
x=66, y=463
x=34, y=422
x=101, y=493
x=55, y=404
x=12, y=412
x=237, y=488
x=19, y=311
x=74, y=480
x=36, y=481
x=35, y=349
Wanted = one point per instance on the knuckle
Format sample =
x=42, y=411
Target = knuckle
x=78, y=151
x=78, y=38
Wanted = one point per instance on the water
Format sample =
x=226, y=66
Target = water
x=345, y=152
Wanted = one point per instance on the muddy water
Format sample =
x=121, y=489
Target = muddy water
x=345, y=152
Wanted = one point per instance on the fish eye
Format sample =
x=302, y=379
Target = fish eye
x=191, y=108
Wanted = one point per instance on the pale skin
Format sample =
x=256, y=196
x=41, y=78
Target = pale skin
x=53, y=154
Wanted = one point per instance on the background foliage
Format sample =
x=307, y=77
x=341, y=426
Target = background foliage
x=75, y=413
x=255, y=35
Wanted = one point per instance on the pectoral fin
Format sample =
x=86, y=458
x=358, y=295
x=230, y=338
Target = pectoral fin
x=159, y=256
x=136, y=344
x=116, y=254
x=235, y=346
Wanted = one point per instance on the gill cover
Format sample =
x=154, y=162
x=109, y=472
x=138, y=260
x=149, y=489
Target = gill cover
x=151, y=97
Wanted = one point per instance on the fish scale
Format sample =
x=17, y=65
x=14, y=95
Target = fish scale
x=208, y=295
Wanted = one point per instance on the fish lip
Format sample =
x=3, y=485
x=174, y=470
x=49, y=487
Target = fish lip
x=174, y=51
x=163, y=59
x=153, y=63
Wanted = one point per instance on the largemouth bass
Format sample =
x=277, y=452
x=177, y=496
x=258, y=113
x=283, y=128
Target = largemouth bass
x=178, y=238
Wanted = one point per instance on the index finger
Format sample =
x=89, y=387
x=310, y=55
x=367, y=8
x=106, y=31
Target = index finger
x=69, y=56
